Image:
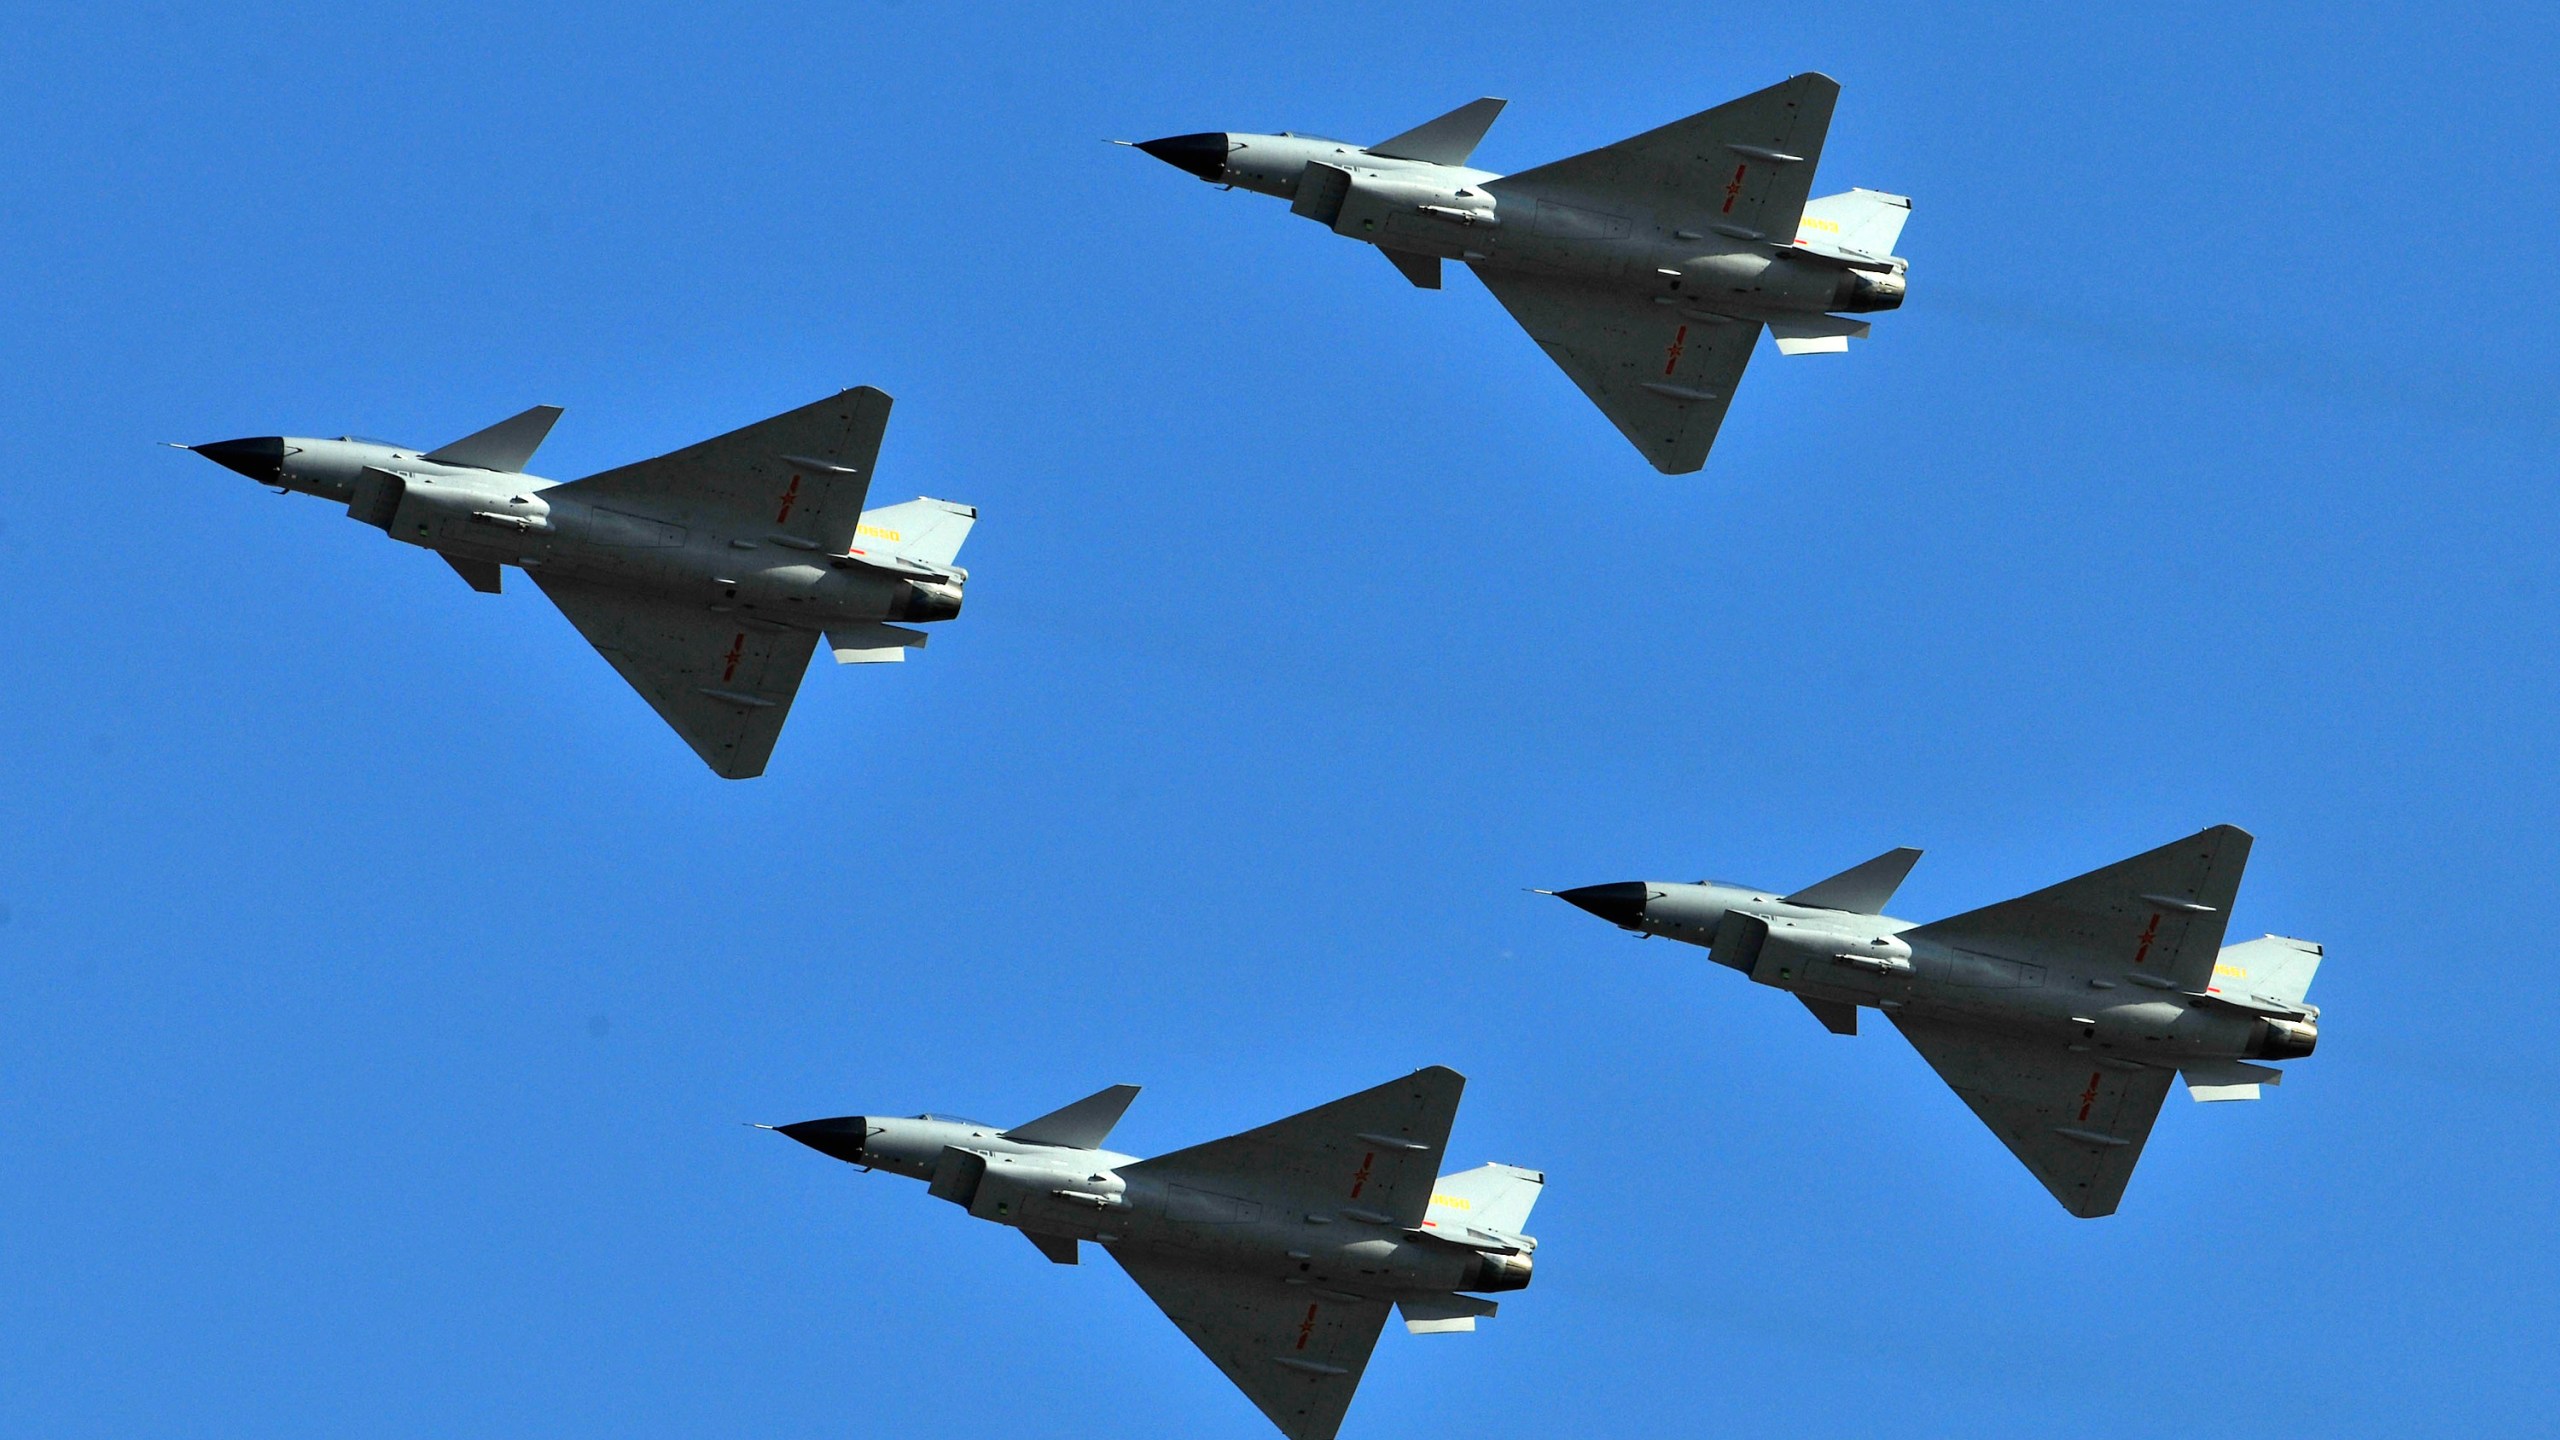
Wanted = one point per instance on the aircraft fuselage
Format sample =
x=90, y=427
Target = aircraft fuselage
x=2125, y=1009
x=510, y=518
x=1459, y=213
x=1053, y=1190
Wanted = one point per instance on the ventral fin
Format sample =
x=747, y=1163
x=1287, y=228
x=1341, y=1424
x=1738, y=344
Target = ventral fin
x=485, y=576
x=1422, y=270
x=1837, y=1016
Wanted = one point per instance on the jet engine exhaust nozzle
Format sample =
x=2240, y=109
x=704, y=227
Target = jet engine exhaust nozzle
x=1204, y=154
x=840, y=1138
x=2284, y=1040
x=1620, y=903
x=1499, y=1272
x=928, y=601
x=261, y=458
x=1864, y=292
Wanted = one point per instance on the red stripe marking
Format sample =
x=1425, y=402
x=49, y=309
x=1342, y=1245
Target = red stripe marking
x=2089, y=1096
x=1306, y=1327
x=1679, y=342
x=2150, y=933
x=1360, y=1181
x=1735, y=188
x=790, y=498
x=737, y=648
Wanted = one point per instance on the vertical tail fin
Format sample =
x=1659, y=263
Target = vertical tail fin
x=1489, y=1197
x=2273, y=969
x=1867, y=221
x=928, y=530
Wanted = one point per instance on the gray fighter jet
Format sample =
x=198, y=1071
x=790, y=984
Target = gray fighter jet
x=1646, y=268
x=2060, y=1016
x=706, y=576
x=1278, y=1251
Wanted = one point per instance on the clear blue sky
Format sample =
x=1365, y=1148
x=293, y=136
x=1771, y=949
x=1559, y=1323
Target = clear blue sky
x=381, y=983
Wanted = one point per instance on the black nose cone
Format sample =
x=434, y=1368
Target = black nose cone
x=1621, y=903
x=1204, y=155
x=261, y=459
x=840, y=1137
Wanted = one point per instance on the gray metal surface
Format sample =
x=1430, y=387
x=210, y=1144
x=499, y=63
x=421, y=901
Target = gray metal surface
x=1646, y=269
x=706, y=576
x=1279, y=1251
x=2060, y=1017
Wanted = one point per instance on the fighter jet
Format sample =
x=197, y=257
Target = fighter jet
x=2060, y=1016
x=1278, y=1251
x=705, y=576
x=1646, y=268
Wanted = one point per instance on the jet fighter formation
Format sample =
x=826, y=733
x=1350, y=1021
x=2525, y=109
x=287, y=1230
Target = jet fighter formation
x=2061, y=1017
x=1646, y=268
x=706, y=576
x=1279, y=1251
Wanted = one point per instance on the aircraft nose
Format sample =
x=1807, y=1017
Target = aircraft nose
x=1619, y=903
x=261, y=458
x=1204, y=155
x=841, y=1137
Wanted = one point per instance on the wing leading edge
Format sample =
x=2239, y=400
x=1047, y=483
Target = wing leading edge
x=1377, y=1151
x=804, y=473
x=1663, y=378
x=1297, y=1354
x=2161, y=913
x=2076, y=1122
x=725, y=685
x=1743, y=167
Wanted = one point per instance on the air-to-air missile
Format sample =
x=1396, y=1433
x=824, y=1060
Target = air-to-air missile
x=706, y=576
x=1646, y=268
x=1278, y=1251
x=2061, y=1017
